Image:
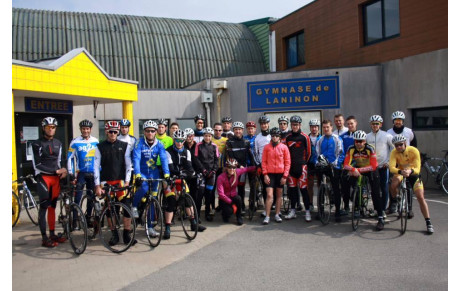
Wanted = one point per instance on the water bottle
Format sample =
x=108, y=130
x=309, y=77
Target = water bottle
x=438, y=168
x=432, y=169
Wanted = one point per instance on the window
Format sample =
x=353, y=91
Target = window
x=430, y=118
x=381, y=20
x=295, y=50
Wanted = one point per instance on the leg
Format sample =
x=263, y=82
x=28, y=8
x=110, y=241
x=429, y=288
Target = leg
x=345, y=188
x=383, y=178
x=376, y=194
x=335, y=180
x=227, y=210
x=269, y=200
x=279, y=194
x=241, y=189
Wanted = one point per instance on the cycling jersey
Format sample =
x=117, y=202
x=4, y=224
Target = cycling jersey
x=331, y=147
x=381, y=141
x=226, y=186
x=46, y=156
x=112, y=162
x=409, y=159
x=300, y=151
x=407, y=132
x=251, y=140
x=207, y=156
x=276, y=159
x=262, y=139
x=284, y=134
x=199, y=135
x=221, y=145
x=363, y=161
x=240, y=150
x=314, y=141
x=227, y=134
x=179, y=161
x=145, y=155
x=340, y=132
x=84, y=151
x=131, y=140
x=347, y=141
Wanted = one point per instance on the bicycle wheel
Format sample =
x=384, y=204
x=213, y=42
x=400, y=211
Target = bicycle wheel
x=403, y=210
x=187, y=220
x=324, y=205
x=286, y=202
x=444, y=182
x=153, y=219
x=16, y=208
x=31, y=206
x=356, y=208
x=112, y=232
x=252, y=206
x=424, y=175
x=78, y=232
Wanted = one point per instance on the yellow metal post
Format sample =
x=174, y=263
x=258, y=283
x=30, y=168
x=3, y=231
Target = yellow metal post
x=128, y=114
x=14, y=168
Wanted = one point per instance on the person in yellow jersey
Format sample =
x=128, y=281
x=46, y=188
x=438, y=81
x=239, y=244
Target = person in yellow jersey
x=220, y=142
x=405, y=162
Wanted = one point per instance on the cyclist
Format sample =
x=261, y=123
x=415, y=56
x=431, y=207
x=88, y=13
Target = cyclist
x=405, y=162
x=112, y=165
x=80, y=163
x=199, y=127
x=146, y=152
x=276, y=162
x=399, y=128
x=197, y=196
x=172, y=128
x=262, y=139
x=240, y=149
x=227, y=127
x=161, y=135
x=221, y=143
x=300, y=151
x=314, y=137
x=227, y=182
x=338, y=120
x=283, y=123
x=46, y=160
x=207, y=160
x=362, y=160
x=125, y=136
x=251, y=137
x=330, y=145
x=180, y=164
x=381, y=141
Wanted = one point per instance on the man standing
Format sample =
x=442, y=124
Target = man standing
x=227, y=127
x=173, y=128
x=220, y=142
x=338, y=120
x=125, y=136
x=262, y=139
x=46, y=153
x=314, y=137
x=199, y=128
x=283, y=123
x=251, y=137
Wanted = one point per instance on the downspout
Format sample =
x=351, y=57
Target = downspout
x=208, y=114
x=219, y=94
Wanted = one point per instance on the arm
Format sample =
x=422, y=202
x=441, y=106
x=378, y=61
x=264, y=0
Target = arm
x=393, y=168
x=70, y=159
x=127, y=165
x=372, y=162
x=97, y=167
x=417, y=162
x=137, y=158
x=221, y=190
x=38, y=165
x=308, y=150
x=215, y=164
x=265, y=161
x=164, y=160
x=347, y=164
x=172, y=169
x=199, y=165
x=287, y=161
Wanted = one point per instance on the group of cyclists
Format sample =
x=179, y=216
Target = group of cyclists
x=222, y=158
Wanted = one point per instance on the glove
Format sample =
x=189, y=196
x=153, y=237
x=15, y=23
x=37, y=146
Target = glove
x=205, y=172
x=210, y=174
x=234, y=208
x=167, y=177
x=138, y=181
x=259, y=171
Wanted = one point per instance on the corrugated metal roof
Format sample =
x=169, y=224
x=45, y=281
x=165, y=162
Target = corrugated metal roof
x=158, y=52
x=261, y=29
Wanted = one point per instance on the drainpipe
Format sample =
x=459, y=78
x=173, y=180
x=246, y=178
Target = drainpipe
x=208, y=114
x=219, y=94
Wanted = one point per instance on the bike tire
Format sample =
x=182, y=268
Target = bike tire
x=324, y=205
x=114, y=214
x=252, y=208
x=156, y=221
x=355, y=206
x=31, y=206
x=16, y=208
x=403, y=209
x=183, y=201
x=78, y=235
x=444, y=182
x=425, y=175
x=286, y=201
x=92, y=220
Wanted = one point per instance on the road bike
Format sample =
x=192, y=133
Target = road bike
x=403, y=199
x=325, y=194
x=25, y=200
x=360, y=195
x=435, y=168
x=255, y=198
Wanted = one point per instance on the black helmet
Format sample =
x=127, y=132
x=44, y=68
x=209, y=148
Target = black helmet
x=264, y=119
x=323, y=163
x=296, y=119
x=227, y=119
x=275, y=131
x=198, y=117
x=86, y=123
x=125, y=122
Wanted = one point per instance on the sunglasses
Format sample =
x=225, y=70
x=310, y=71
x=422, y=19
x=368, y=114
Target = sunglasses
x=179, y=140
x=375, y=123
x=51, y=126
x=200, y=123
x=150, y=131
x=360, y=141
x=113, y=132
x=397, y=145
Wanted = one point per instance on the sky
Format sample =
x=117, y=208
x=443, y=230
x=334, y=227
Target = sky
x=234, y=11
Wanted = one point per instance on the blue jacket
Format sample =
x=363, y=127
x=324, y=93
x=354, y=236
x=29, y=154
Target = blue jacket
x=83, y=150
x=251, y=143
x=348, y=141
x=331, y=147
x=314, y=157
x=145, y=157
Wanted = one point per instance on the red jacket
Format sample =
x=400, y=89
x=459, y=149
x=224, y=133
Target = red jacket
x=276, y=159
x=224, y=184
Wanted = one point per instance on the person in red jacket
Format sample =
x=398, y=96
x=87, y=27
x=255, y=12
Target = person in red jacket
x=227, y=182
x=276, y=162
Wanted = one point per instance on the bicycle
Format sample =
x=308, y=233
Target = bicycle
x=26, y=200
x=403, y=203
x=325, y=194
x=255, y=198
x=151, y=213
x=73, y=221
x=360, y=201
x=114, y=210
x=439, y=173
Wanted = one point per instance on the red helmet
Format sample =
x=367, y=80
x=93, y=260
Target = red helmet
x=251, y=124
x=112, y=124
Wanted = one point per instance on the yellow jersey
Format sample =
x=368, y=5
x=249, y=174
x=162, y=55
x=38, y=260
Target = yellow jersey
x=409, y=159
x=221, y=145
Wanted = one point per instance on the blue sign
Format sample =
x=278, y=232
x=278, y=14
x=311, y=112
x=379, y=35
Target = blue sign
x=294, y=94
x=48, y=105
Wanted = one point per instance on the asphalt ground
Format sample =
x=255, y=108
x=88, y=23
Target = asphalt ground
x=293, y=255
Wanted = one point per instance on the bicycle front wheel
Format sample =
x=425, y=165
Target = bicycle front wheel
x=188, y=215
x=403, y=210
x=78, y=231
x=16, y=208
x=112, y=234
x=356, y=208
x=31, y=207
x=444, y=182
x=153, y=217
x=324, y=205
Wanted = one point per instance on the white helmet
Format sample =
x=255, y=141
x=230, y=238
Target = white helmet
x=208, y=130
x=238, y=124
x=359, y=135
x=314, y=122
x=49, y=121
x=150, y=124
x=283, y=118
x=398, y=115
x=189, y=131
x=398, y=138
x=180, y=134
x=377, y=118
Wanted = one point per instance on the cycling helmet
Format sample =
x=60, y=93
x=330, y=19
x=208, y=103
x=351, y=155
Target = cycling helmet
x=86, y=123
x=227, y=119
x=180, y=134
x=198, y=117
x=359, y=135
x=208, y=130
x=189, y=131
x=398, y=114
x=283, y=118
x=264, y=119
x=377, y=118
x=125, y=122
x=275, y=131
x=112, y=124
x=398, y=138
x=322, y=162
x=231, y=163
x=150, y=124
x=238, y=124
x=314, y=122
x=163, y=121
x=49, y=121
x=251, y=124
x=296, y=119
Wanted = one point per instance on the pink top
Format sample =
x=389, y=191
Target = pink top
x=276, y=159
x=224, y=189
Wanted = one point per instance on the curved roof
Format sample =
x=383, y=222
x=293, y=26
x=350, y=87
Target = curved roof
x=157, y=52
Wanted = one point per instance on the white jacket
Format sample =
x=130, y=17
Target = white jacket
x=259, y=143
x=407, y=132
x=381, y=141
